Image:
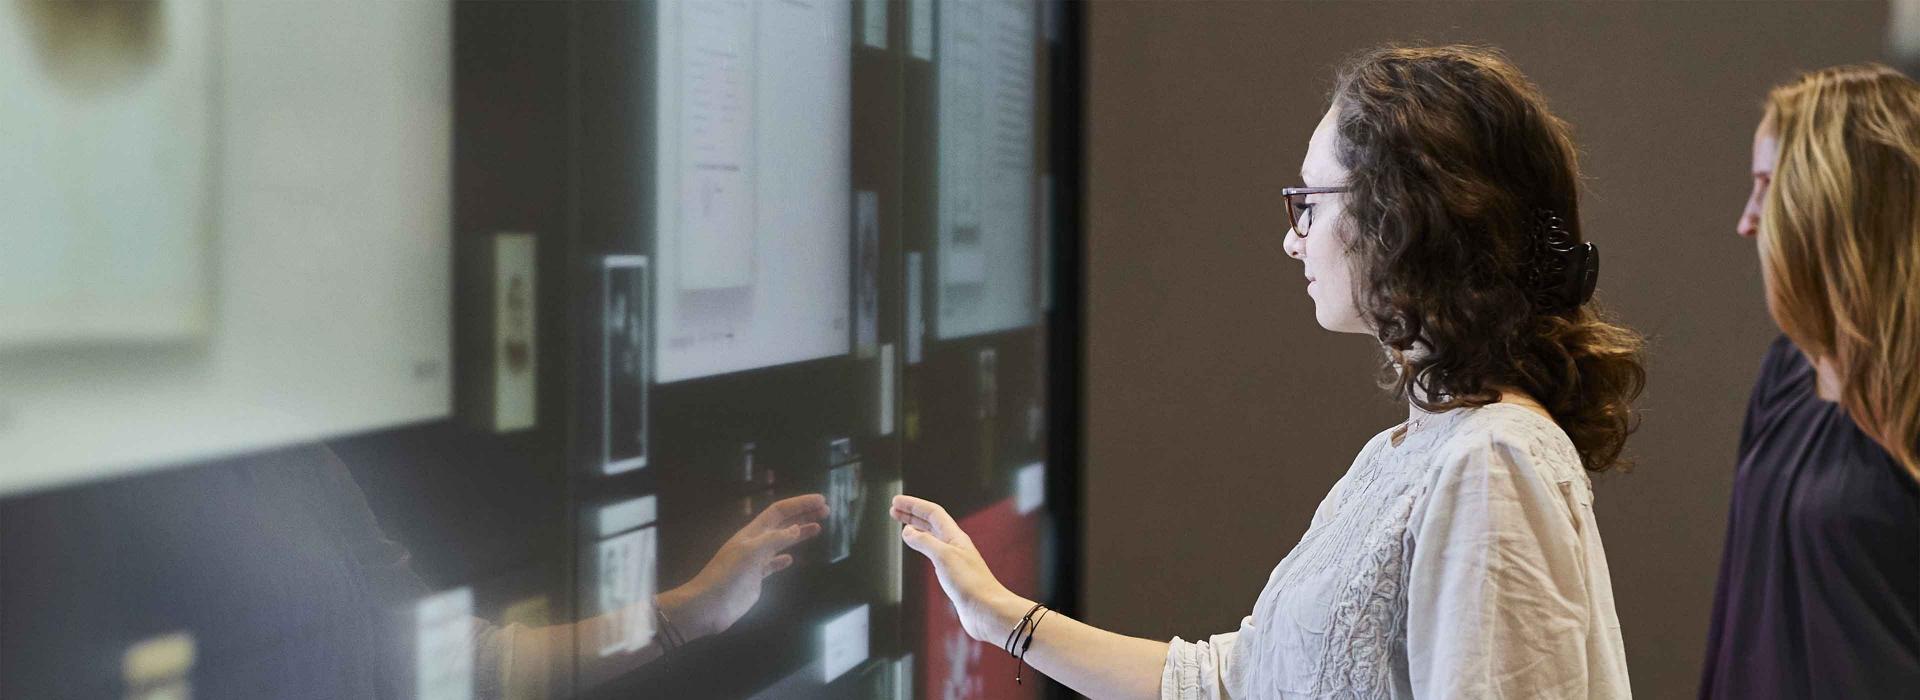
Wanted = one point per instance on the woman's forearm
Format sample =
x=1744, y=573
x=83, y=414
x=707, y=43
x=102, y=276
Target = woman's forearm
x=1097, y=663
x=1093, y=662
x=536, y=652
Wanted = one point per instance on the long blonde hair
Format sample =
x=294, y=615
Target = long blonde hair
x=1840, y=240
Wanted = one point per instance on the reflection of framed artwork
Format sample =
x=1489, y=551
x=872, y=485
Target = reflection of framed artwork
x=109, y=124
x=624, y=568
x=846, y=501
x=508, y=401
x=623, y=363
x=624, y=590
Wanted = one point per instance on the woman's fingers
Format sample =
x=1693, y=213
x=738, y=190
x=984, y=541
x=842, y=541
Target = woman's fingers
x=906, y=518
x=920, y=541
x=777, y=564
x=785, y=538
x=811, y=507
x=935, y=519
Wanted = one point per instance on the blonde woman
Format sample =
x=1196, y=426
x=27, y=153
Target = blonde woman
x=1819, y=592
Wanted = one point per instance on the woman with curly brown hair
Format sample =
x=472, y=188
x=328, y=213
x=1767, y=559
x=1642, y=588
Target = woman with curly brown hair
x=1459, y=556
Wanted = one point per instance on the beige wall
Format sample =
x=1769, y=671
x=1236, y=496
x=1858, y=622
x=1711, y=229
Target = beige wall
x=1219, y=413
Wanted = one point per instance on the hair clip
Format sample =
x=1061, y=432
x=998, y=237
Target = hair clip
x=1568, y=272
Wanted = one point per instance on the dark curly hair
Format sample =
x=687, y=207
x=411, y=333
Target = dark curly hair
x=1453, y=162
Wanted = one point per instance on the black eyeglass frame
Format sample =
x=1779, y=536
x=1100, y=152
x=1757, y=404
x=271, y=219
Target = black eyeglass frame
x=1293, y=211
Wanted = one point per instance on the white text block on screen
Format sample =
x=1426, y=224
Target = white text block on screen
x=753, y=184
x=984, y=273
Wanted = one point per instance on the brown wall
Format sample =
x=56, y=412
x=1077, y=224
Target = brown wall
x=1219, y=413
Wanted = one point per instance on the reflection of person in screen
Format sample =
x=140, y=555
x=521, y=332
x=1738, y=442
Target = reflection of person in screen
x=276, y=567
x=1819, y=591
x=1459, y=556
x=718, y=596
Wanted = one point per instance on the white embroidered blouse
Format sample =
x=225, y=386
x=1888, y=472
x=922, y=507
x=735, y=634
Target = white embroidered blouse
x=1462, y=563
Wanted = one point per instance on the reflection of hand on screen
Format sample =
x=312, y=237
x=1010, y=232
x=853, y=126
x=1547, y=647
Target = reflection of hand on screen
x=729, y=585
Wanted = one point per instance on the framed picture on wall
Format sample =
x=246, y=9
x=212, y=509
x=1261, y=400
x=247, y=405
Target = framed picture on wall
x=623, y=363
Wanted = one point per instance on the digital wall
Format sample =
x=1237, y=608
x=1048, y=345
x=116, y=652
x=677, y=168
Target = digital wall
x=358, y=349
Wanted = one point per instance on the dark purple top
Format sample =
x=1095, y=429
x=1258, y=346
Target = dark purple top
x=1819, y=593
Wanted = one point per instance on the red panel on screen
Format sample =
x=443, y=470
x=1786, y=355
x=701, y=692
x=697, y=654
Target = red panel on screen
x=958, y=668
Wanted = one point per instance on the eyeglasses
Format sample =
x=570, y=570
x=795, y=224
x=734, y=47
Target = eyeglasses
x=1299, y=213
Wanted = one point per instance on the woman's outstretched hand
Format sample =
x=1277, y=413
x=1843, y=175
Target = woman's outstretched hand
x=981, y=601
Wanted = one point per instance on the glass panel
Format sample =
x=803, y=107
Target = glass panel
x=360, y=349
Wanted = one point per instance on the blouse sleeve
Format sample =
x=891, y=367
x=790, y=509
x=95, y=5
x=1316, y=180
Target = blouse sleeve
x=1209, y=670
x=1502, y=597
x=1201, y=670
x=386, y=568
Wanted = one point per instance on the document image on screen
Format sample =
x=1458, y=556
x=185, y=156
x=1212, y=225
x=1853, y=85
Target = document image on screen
x=984, y=263
x=753, y=184
x=318, y=248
